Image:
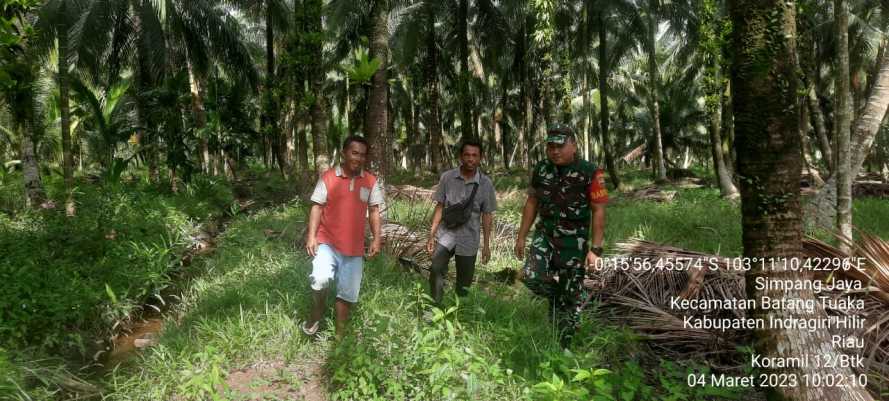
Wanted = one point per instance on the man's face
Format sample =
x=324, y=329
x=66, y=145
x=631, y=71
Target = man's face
x=561, y=154
x=470, y=157
x=354, y=156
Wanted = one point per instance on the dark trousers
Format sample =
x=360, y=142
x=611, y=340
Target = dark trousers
x=565, y=295
x=465, y=271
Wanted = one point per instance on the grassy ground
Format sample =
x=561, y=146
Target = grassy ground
x=67, y=284
x=234, y=334
x=242, y=316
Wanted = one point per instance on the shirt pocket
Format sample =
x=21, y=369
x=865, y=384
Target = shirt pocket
x=364, y=193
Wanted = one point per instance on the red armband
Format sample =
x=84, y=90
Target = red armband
x=597, y=191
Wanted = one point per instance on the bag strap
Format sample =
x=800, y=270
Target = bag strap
x=472, y=195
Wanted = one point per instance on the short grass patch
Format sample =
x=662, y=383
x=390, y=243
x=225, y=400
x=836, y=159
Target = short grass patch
x=496, y=344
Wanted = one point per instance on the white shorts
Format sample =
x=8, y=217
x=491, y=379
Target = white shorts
x=329, y=265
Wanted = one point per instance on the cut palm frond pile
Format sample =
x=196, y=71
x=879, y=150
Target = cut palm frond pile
x=409, y=246
x=873, y=273
x=690, y=183
x=409, y=192
x=873, y=189
x=641, y=298
x=639, y=293
x=652, y=193
x=406, y=245
x=512, y=193
x=634, y=154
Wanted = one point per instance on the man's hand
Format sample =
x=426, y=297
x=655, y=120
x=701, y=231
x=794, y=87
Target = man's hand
x=520, y=248
x=591, y=260
x=312, y=246
x=486, y=254
x=374, y=248
x=430, y=245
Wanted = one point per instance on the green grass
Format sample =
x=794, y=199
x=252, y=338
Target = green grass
x=494, y=344
x=65, y=282
x=872, y=215
x=698, y=219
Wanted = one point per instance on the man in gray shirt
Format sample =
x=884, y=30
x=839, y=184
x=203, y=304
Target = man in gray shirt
x=455, y=186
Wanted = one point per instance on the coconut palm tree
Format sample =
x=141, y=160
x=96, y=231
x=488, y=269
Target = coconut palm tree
x=55, y=19
x=274, y=16
x=18, y=74
x=370, y=18
x=764, y=84
x=842, y=122
x=651, y=11
x=701, y=30
x=870, y=21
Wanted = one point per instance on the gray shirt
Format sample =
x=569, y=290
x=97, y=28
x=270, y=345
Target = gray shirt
x=452, y=189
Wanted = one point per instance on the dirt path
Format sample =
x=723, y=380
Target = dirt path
x=262, y=379
x=276, y=380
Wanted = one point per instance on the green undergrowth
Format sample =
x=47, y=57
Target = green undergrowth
x=871, y=215
x=245, y=308
x=65, y=282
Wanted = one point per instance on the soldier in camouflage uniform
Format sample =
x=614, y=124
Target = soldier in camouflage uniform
x=569, y=196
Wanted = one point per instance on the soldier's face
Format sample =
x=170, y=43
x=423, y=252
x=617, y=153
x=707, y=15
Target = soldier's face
x=470, y=157
x=561, y=154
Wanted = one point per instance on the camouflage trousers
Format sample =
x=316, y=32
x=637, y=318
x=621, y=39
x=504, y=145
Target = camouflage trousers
x=555, y=270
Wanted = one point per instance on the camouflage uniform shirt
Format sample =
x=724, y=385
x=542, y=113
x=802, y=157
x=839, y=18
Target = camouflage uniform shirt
x=555, y=266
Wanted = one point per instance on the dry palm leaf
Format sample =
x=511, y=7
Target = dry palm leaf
x=641, y=298
x=652, y=194
x=409, y=192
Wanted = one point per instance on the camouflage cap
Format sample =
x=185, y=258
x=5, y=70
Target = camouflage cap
x=559, y=133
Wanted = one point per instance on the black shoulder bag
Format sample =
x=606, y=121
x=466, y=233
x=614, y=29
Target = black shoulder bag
x=458, y=214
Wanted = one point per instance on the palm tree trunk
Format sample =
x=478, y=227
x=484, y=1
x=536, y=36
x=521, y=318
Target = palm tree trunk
x=764, y=84
x=65, y=112
x=868, y=124
x=433, y=124
x=144, y=138
x=586, y=113
x=820, y=129
x=527, y=141
x=805, y=145
x=539, y=120
x=728, y=129
x=196, y=88
x=604, y=115
x=505, y=144
x=660, y=167
x=585, y=78
x=313, y=14
x=811, y=70
x=34, y=194
x=466, y=120
x=302, y=146
x=876, y=67
x=496, y=133
x=377, y=119
x=726, y=186
x=319, y=133
x=525, y=135
x=862, y=139
x=843, y=116
x=270, y=113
